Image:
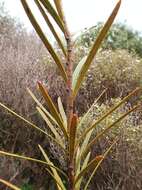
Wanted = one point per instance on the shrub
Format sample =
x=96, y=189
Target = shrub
x=117, y=71
x=120, y=36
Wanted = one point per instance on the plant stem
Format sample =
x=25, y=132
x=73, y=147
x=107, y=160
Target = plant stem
x=69, y=65
x=70, y=101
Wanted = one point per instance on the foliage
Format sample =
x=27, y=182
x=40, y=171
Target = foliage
x=120, y=36
x=64, y=125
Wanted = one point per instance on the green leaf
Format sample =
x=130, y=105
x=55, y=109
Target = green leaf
x=95, y=48
x=9, y=184
x=52, y=108
x=55, y=173
x=99, y=163
x=62, y=112
x=44, y=39
x=51, y=27
x=53, y=13
x=77, y=71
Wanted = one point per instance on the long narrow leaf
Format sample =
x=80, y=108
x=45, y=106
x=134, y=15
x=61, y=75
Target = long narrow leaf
x=9, y=184
x=53, y=13
x=30, y=124
x=58, y=4
x=77, y=71
x=95, y=48
x=84, y=165
x=51, y=127
x=44, y=39
x=22, y=118
x=51, y=27
x=77, y=163
x=62, y=112
x=56, y=181
x=52, y=108
x=90, y=166
x=31, y=159
x=99, y=163
x=84, y=145
x=55, y=173
x=42, y=107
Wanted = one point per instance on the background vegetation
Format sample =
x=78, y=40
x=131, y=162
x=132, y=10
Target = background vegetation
x=117, y=67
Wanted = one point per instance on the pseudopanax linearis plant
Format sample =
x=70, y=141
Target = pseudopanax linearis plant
x=64, y=124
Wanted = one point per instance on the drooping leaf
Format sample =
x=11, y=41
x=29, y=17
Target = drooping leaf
x=51, y=27
x=55, y=173
x=62, y=112
x=8, y=184
x=95, y=48
x=44, y=39
x=53, y=13
x=52, y=107
x=99, y=163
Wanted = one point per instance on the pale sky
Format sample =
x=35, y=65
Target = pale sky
x=86, y=13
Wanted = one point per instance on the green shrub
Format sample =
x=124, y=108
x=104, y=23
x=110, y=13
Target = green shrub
x=120, y=36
